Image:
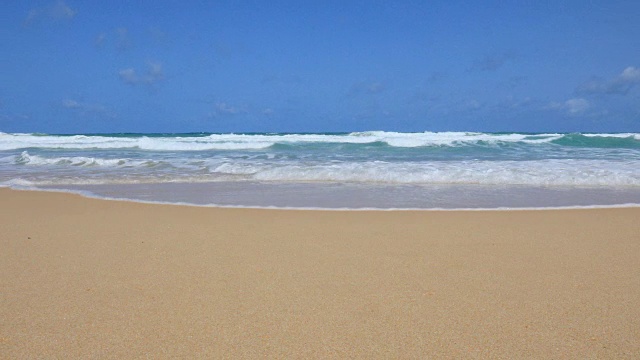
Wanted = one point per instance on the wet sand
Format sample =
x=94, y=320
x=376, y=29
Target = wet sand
x=87, y=278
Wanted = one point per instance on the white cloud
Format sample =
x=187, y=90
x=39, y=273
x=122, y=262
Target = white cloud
x=621, y=84
x=631, y=74
x=575, y=106
x=84, y=109
x=153, y=75
x=58, y=11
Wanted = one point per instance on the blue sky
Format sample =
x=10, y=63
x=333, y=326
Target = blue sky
x=314, y=66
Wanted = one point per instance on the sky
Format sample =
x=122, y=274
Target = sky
x=319, y=66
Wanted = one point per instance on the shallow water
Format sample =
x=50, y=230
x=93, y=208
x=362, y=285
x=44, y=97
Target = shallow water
x=357, y=196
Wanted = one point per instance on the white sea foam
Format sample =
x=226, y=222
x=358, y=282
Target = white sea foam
x=619, y=135
x=34, y=160
x=549, y=172
x=17, y=183
x=534, y=173
x=261, y=141
x=450, y=138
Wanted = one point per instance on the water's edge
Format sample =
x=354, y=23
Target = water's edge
x=91, y=195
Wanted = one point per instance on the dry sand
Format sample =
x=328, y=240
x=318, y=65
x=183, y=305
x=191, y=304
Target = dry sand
x=86, y=278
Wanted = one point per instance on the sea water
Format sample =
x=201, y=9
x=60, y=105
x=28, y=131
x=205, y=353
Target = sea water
x=373, y=169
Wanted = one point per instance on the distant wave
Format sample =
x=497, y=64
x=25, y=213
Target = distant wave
x=627, y=140
x=204, y=142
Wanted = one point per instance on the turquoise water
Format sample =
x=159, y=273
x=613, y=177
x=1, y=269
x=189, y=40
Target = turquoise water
x=420, y=169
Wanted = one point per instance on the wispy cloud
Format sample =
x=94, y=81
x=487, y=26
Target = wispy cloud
x=511, y=102
x=620, y=85
x=14, y=118
x=58, y=11
x=70, y=104
x=119, y=38
x=62, y=11
x=471, y=104
x=85, y=109
x=123, y=41
x=493, y=62
x=436, y=76
x=153, y=75
x=282, y=79
x=367, y=88
x=100, y=39
x=157, y=35
x=224, y=109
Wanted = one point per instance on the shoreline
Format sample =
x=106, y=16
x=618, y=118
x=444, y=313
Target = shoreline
x=91, y=195
x=84, y=278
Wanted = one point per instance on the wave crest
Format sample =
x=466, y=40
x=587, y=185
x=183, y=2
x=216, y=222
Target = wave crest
x=189, y=142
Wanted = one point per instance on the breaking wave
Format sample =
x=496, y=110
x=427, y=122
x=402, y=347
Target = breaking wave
x=204, y=142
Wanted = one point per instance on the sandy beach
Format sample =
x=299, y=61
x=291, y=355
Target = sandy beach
x=87, y=278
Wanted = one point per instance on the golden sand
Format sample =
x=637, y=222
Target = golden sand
x=86, y=278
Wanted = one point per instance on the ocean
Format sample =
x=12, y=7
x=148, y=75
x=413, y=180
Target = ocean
x=373, y=170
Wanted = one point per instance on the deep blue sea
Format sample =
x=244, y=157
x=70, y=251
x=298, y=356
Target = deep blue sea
x=373, y=169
